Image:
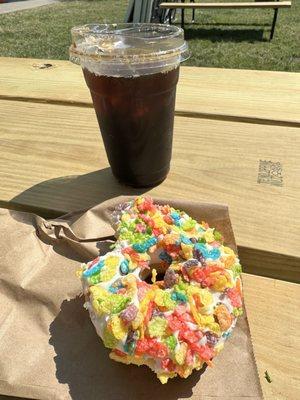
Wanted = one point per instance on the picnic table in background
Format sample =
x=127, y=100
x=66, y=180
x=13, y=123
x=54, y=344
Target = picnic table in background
x=242, y=5
x=236, y=141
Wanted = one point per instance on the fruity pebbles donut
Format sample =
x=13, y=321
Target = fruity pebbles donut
x=168, y=294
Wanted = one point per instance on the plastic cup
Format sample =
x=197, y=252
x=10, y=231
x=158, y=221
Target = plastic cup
x=132, y=71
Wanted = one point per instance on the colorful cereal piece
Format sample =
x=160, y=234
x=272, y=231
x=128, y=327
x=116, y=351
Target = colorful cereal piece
x=129, y=314
x=157, y=327
x=170, y=278
x=124, y=267
x=235, y=297
x=171, y=342
x=180, y=353
x=113, y=304
x=109, y=339
x=118, y=327
x=223, y=316
x=95, y=269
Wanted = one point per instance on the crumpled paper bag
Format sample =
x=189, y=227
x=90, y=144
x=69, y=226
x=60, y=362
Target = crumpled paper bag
x=48, y=346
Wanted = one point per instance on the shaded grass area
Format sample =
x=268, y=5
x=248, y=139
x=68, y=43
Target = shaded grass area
x=218, y=38
x=240, y=39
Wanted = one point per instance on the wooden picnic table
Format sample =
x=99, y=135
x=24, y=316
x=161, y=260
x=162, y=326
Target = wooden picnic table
x=228, y=124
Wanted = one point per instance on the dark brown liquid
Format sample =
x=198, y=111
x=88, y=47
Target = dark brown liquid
x=136, y=118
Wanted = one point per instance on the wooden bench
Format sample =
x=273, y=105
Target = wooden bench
x=242, y=5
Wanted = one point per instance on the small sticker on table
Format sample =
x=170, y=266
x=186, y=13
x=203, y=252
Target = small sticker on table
x=270, y=172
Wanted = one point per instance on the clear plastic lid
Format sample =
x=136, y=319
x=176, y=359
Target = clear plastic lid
x=128, y=49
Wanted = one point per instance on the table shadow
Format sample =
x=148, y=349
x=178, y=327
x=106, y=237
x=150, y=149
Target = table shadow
x=55, y=197
x=83, y=363
x=228, y=35
x=68, y=193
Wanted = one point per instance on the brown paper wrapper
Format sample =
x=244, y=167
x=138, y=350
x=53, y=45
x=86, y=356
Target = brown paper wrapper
x=48, y=346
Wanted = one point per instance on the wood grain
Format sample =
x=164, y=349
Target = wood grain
x=241, y=5
x=274, y=320
x=258, y=96
x=52, y=161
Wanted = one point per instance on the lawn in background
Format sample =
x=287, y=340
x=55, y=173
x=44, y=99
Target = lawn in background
x=219, y=38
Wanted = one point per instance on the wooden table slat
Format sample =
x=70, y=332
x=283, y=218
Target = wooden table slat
x=260, y=96
x=52, y=160
x=274, y=320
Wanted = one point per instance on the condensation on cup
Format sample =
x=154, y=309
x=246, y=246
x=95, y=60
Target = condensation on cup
x=132, y=71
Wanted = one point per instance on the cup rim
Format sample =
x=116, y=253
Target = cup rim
x=161, y=33
x=126, y=27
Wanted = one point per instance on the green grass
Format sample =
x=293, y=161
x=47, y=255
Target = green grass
x=219, y=38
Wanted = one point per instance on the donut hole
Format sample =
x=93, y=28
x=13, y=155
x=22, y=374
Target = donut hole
x=146, y=274
x=159, y=277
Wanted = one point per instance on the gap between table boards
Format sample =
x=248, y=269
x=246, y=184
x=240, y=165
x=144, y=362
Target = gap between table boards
x=180, y=113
